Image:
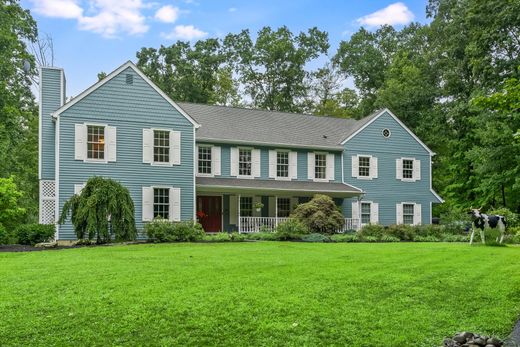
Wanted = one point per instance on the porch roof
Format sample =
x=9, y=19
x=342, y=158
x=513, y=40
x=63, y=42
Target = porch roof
x=273, y=187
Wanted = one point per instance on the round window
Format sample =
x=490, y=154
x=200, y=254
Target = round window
x=386, y=133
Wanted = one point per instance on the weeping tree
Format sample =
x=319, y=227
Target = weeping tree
x=320, y=215
x=102, y=209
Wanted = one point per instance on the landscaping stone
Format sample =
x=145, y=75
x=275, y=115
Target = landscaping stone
x=467, y=339
x=46, y=244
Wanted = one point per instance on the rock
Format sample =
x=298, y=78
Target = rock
x=494, y=342
x=459, y=338
x=468, y=335
x=479, y=341
x=46, y=244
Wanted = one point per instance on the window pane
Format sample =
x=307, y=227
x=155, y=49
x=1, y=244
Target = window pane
x=282, y=164
x=161, y=203
x=161, y=146
x=244, y=162
x=320, y=166
x=364, y=166
x=95, y=142
x=204, y=159
x=246, y=206
x=365, y=212
x=408, y=213
x=284, y=207
x=407, y=168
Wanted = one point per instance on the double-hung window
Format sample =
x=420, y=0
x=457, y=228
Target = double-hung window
x=408, y=214
x=283, y=207
x=320, y=166
x=95, y=142
x=282, y=164
x=161, y=146
x=364, y=166
x=365, y=212
x=246, y=206
x=161, y=203
x=205, y=160
x=407, y=168
x=244, y=162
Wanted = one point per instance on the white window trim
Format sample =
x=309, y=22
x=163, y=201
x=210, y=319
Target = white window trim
x=369, y=177
x=281, y=178
x=413, y=179
x=238, y=163
x=105, y=154
x=320, y=179
x=212, y=174
x=361, y=202
x=415, y=204
x=158, y=163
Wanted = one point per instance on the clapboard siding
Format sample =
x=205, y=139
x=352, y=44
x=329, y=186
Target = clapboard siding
x=386, y=189
x=51, y=98
x=264, y=161
x=130, y=108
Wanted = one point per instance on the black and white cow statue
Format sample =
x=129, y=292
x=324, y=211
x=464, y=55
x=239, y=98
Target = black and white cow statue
x=481, y=221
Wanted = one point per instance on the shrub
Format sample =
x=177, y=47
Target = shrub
x=291, y=229
x=512, y=219
x=236, y=237
x=320, y=215
x=6, y=238
x=401, y=231
x=218, y=237
x=160, y=230
x=104, y=207
x=31, y=234
x=10, y=212
x=344, y=238
x=262, y=236
x=454, y=238
x=429, y=238
x=429, y=230
x=315, y=237
x=370, y=239
x=372, y=230
x=388, y=238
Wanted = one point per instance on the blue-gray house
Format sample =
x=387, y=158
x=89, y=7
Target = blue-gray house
x=230, y=168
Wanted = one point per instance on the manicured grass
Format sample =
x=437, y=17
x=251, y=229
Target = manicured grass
x=263, y=293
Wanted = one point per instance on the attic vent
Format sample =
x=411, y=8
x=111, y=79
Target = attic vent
x=129, y=78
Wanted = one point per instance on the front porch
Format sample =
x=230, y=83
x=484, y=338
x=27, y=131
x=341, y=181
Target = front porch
x=248, y=206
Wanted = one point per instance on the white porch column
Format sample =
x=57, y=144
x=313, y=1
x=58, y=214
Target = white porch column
x=238, y=211
x=276, y=211
x=359, y=198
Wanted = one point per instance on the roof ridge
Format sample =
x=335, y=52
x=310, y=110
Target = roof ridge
x=269, y=111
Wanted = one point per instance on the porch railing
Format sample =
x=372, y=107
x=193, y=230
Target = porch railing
x=269, y=224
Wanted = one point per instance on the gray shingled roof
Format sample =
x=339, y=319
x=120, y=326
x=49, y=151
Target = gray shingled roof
x=232, y=124
x=272, y=186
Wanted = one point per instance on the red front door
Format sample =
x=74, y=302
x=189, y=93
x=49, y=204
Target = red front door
x=209, y=213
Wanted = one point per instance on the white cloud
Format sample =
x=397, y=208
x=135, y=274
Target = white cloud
x=105, y=17
x=58, y=8
x=184, y=32
x=167, y=14
x=232, y=9
x=393, y=14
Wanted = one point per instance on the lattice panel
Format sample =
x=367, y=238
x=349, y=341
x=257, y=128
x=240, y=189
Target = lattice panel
x=47, y=189
x=47, y=212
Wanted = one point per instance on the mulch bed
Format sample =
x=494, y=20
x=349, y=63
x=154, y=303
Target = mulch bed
x=26, y=248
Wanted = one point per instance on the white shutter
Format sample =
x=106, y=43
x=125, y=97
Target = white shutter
x=374, y=213
x=257, y=199
x=399, y=213
x=330, y=166
x=355, y=210
x=373, y=167
x=294, y=202
x=293, y=165
x=355, y=166
x=215, y=161
x=417, y=214
x=175, y=147
x=234, y=161
x=255, y=161
x=147, y=146
x=80, y=139
x=272, y=163
x=147, y=204
x=175, y=204
x=310, y=165
x=78, y=188
x=417, y=169
x=233, y=211
x=272, y=206
x=111, y=140
x=399, y=169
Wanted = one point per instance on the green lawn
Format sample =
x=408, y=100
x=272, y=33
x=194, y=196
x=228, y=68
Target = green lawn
x=263, y=293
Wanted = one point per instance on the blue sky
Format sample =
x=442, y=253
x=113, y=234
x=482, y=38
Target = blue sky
x=99, y=35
